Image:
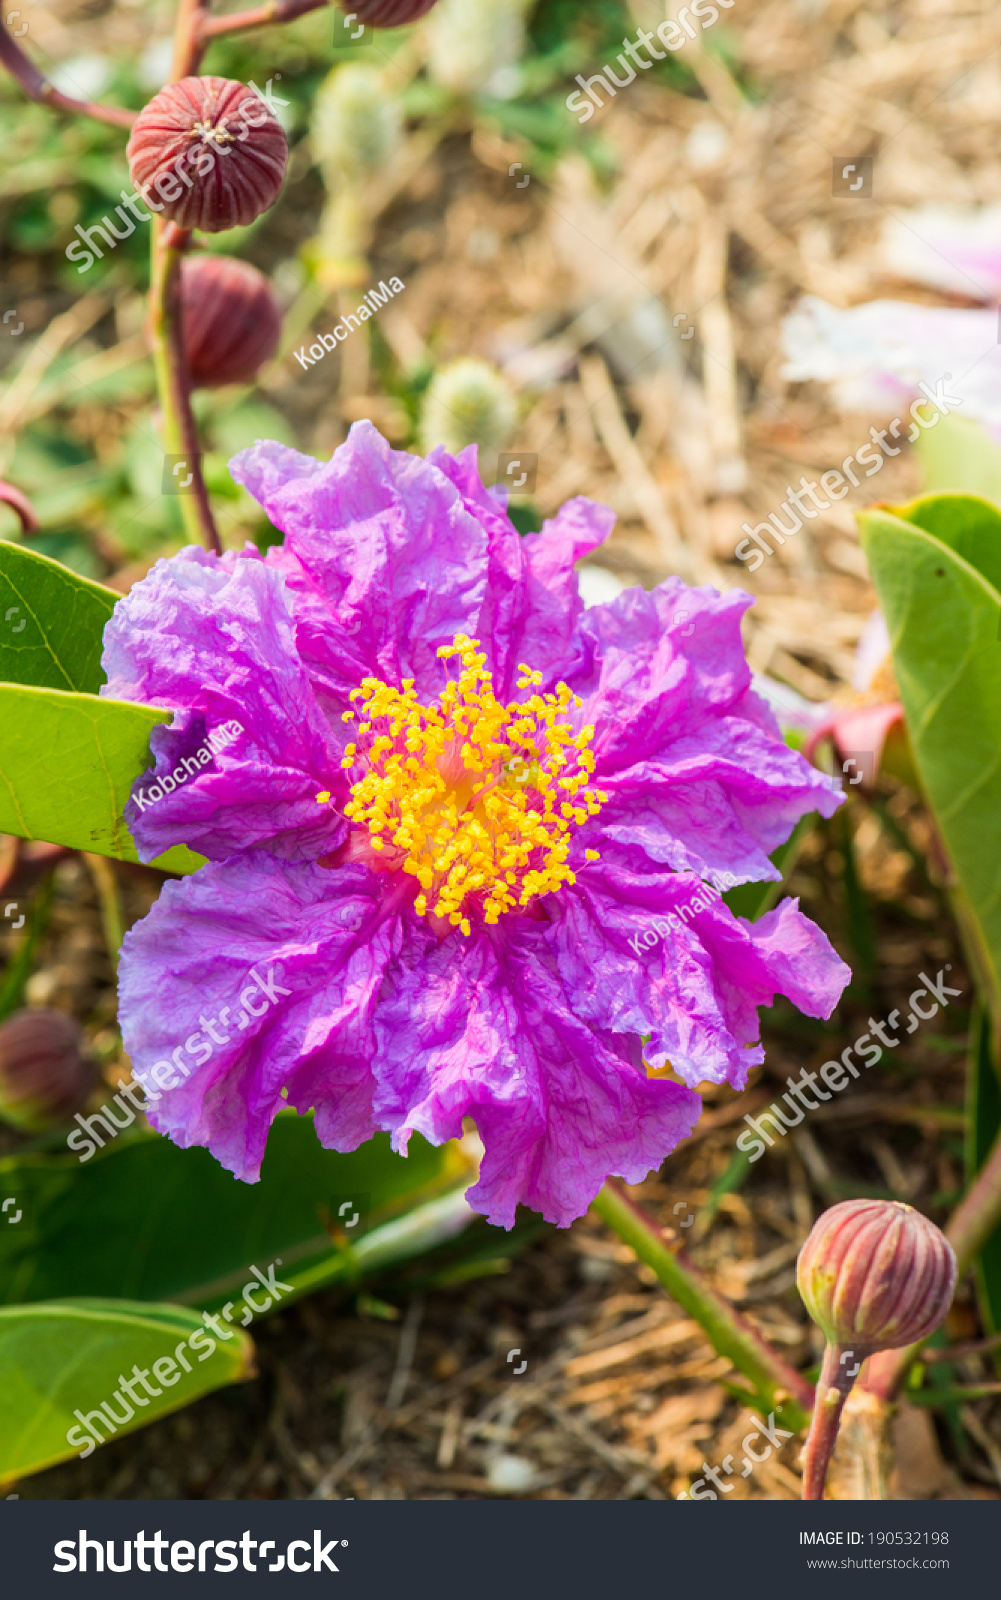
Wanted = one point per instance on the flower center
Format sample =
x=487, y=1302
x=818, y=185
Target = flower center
x=476, y=800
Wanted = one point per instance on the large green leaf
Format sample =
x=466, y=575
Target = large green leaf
x=147, y=1220
x=60, y=1358
x=944, y=619
x=967, y=524
x=958, y=456
x=67, y=762
x=51, y=623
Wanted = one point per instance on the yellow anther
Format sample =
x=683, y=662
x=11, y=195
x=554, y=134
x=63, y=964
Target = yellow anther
x=592, y=855
x=323, y=796
x=463, y=793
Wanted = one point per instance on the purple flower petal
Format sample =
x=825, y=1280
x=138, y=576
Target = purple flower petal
x=666, y=957
x=389, y=556
x=213, y=640
x=485, y=1028
x=251, y=977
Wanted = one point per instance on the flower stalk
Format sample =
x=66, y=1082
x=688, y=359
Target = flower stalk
x=837, y=1375
x=780, y=1387
x=180, y=431
x=38, y=88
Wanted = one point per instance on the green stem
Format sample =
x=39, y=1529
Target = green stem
x=103, y=873
x=779, y=1385
x=180, y=432
x=19, y=971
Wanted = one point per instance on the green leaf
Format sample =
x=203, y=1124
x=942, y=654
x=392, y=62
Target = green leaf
x=967, y=524
x=51, y=623
x=132, y=1220
x=60, y=1358
x=960, y=457
x=67, y=762
x=944, y=620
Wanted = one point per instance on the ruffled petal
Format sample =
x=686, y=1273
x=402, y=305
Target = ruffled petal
x=666, y=957
x=652, y=668
x=483, y=1027
x=385, y=562
x=389, y=556
x=251, y=977
x=717, y=802
x=213, y=640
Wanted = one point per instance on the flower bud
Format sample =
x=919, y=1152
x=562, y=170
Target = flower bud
x=232, y=321
x=390, y=13
x=467, y=403
x=44, y=1077
x=208, y=153
x=474, y=46
x=357, y=123
x=876, y=1275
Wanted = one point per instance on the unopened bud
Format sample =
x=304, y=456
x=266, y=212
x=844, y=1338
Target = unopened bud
x=388, y=13
x=44, y=1077
x=876, y=1275
x=467, y=403
x=208, y=153
x=232, y=320
x=357, y=122
x=474, y=46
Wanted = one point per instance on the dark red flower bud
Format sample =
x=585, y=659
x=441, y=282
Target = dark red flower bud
x=208, y=153
x=876, y=1275
x=232, y=321
x=390, y=13
x=44, y=1077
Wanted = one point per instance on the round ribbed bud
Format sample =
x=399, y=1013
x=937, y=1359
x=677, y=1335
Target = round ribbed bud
x=390, y=13
x=232, y=321
x=208, y=153
x=876, y=1275
x=43, y=1075
x=357, y=122
x=474, y=46
x=467, y=403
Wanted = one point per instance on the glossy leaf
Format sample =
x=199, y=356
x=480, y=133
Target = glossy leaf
x=67, y=763
x=51, y=623
x=944, y=620
x=145, y=1219
x=58, y=1359
x=967, y=524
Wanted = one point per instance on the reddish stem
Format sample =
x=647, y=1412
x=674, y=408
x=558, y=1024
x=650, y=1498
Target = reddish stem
x=833, y=1388
x=260, y=17
x=9, y=496
x=37, y=87
x=190, y=43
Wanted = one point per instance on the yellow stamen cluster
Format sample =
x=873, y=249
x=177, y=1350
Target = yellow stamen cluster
x=481, y=799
